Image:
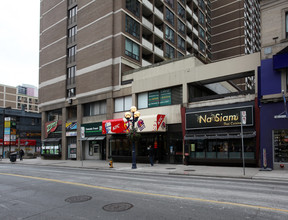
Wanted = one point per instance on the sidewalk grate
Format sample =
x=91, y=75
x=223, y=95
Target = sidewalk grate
x=117, y=207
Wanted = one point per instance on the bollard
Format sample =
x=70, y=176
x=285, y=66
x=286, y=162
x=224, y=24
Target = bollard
x=111, y=163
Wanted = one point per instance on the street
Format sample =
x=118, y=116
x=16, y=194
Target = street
x=46, y=192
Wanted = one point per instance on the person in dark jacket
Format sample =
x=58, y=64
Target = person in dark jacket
x=21, y=154
x=151, y=154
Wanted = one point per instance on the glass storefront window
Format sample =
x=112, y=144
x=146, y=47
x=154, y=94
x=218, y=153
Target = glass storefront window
x=281, y=146
x=221, y=149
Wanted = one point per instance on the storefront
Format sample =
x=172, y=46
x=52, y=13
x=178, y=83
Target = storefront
x=93, y=141
x=213, y=135
x=152, y=131
x=274, y=136
x=51, y=145
x=71, y=135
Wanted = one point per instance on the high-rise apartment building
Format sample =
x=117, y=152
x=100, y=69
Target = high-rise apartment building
x=235, y=28
x=23, y=97
x=89, y=48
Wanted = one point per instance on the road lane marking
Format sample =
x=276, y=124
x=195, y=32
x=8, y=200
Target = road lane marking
x=150, y=194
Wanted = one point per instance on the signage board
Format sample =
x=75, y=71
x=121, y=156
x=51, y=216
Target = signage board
x=219, y=118
x=91, y=129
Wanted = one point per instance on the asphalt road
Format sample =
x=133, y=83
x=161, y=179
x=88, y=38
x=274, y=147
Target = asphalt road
x=31, y=192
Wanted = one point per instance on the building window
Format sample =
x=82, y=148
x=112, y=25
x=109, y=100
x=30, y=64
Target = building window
x=181, y=11
x=72, y=15
x=132, y=49
x=71, y=92
x=202, y=33
x=181, y=43
x=181, y=27
x=202, y=47
x=72, y=34
x=169, y=51
x=169, y=34
x=72, y=54
x=201, y=18
x=132, y=27
x=133, y=6
x=170, y=3
x=123, y=104
x=95, y=108
x=169, y=16
x=162, y=97
x=286, y=24
x=202, y=5
x=71, y=73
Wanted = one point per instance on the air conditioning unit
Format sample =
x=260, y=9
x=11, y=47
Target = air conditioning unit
x=69, y=101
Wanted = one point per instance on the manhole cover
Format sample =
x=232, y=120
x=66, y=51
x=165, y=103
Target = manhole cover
x=189, y=170
x=117, y=207
x=170, y=168
x=75, y=199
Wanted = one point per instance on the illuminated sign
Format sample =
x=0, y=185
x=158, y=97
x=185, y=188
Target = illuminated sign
x=218, y=118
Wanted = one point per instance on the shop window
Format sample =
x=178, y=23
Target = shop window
x=169, y=34
x=281, y=146
x=95, y=108
x=120, y=147
x=123, y=104
x=133, y=6
x=132, y=49
x=132, y=27
x=169, y=16
x=221, y=149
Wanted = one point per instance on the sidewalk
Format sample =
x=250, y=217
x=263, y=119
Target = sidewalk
x=171, y=169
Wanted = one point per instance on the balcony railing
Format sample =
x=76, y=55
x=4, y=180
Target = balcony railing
x=147, y=23
x=158, y=13
x=147, y=44
x=158, y=32
x=158, y=51
x=145, y=63
x=148, y=4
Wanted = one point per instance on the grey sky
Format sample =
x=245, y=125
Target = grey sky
x=19, y=47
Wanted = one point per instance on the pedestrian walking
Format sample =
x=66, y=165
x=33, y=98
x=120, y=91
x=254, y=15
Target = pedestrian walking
x=21, y=154
x=151, y=154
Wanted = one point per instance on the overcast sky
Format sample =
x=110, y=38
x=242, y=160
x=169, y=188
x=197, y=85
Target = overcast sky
x=19, y=42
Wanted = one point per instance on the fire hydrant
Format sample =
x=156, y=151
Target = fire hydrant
x=110, y=163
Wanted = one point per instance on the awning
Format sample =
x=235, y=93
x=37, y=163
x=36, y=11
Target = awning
x=97, y=138
x=52, y=140
x=219, y=136
x=280, y=59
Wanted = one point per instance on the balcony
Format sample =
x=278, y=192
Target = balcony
x=195, y=2
x=195, y=17
x=189, y=11
x=189, y=40
x=158, y=13
x=189, y=25
x=147, y=23
x=195, y=46
x=145, y=63
x=195, y=31
x=148, y=4
x=158, y=32
x=158, y=51
x=147, y=44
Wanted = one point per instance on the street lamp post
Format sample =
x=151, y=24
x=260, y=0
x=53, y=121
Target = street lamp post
x=133, y=119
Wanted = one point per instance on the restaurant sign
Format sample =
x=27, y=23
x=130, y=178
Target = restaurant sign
x=218, y=118
x=91, y=129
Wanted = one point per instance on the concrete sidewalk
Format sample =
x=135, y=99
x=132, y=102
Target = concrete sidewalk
x=171, y=169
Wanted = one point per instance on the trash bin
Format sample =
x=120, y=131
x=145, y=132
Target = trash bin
x=13, y=157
